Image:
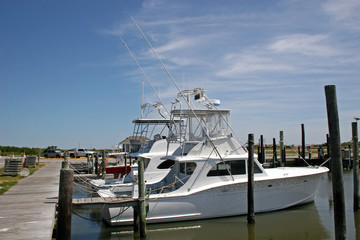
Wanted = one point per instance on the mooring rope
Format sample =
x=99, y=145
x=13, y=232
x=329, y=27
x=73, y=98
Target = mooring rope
x=300, y=157
x=325, y=162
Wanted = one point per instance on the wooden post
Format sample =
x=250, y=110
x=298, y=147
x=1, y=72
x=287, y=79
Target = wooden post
x=65, y=163
x=63, y=227
x=250, y=169
x=282, y=157
x=274, y=153
x=141, y=199
x=302, y=141
x=356, y=166
x=103, y=163
x=259, y=151
x=39, y=154
x=336, y=163
x=125, y=163
x=262, y=149
x=97, y=164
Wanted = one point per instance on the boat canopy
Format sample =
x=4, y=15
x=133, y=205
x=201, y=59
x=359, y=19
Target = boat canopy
x=215, y=122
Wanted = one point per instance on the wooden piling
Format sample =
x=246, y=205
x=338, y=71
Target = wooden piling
x=250, y=168
x=303, y=141
x=282, y=152
x=262, y=149
x=63, y=226
x=356, y=166
x=97, y=164
x=336, y=163
x=274, y=153
x=103, y=164
x=65, y=162
x=39, y=155
x=125, y=163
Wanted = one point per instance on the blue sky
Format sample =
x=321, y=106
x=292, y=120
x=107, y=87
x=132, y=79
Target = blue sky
x=67, y=80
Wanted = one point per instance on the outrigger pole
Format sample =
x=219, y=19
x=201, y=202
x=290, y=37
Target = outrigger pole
x=146, y=77
x=178, y=88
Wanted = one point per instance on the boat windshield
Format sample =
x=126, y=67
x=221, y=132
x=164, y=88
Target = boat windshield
x=196, y=124
x=235, y=167
x=217, y=124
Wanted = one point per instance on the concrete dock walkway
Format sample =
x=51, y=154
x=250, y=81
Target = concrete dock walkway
x=27, y=210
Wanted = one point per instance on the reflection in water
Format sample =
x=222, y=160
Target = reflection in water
x=357, y=224
x=251, y=231
x=311, y=221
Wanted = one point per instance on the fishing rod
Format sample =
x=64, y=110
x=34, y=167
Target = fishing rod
x=182, y=95
x=146, y=77
x=175, y=83
x=148, y=80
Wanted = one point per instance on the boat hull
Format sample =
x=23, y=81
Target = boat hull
x=223, y=201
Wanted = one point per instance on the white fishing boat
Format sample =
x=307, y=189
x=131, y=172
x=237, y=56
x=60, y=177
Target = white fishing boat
x=208, y=176
x=147, y=145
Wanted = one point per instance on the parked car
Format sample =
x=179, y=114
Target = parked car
x=53, y=153
x=80, y=152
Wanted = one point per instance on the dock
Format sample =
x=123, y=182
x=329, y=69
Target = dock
x=27, y=210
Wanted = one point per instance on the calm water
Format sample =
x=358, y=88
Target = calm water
x=311, y=221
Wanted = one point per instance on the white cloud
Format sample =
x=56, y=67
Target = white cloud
x=345, y=11
x=312, y=45
x=342, y=10
x=251, y=63
x=177, y=45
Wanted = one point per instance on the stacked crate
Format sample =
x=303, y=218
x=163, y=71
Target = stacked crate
x=12, y=166
x=30, y=161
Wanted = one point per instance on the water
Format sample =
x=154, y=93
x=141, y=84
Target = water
x=311, y=221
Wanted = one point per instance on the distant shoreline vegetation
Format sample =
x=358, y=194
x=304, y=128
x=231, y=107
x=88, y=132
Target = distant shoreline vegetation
x=10, y=150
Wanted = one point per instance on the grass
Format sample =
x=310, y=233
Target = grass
x=6, y=182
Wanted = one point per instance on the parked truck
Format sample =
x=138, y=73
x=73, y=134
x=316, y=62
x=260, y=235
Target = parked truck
x=80, y=152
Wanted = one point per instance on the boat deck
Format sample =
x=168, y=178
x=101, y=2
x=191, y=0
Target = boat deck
x=27, y=210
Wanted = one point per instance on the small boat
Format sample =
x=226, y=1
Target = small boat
x=207, y=173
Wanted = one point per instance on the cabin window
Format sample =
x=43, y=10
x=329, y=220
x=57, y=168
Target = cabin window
x=187, y=168
x=257, y=169
x=146, y=162
x=166, y=164
x=236, y=167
